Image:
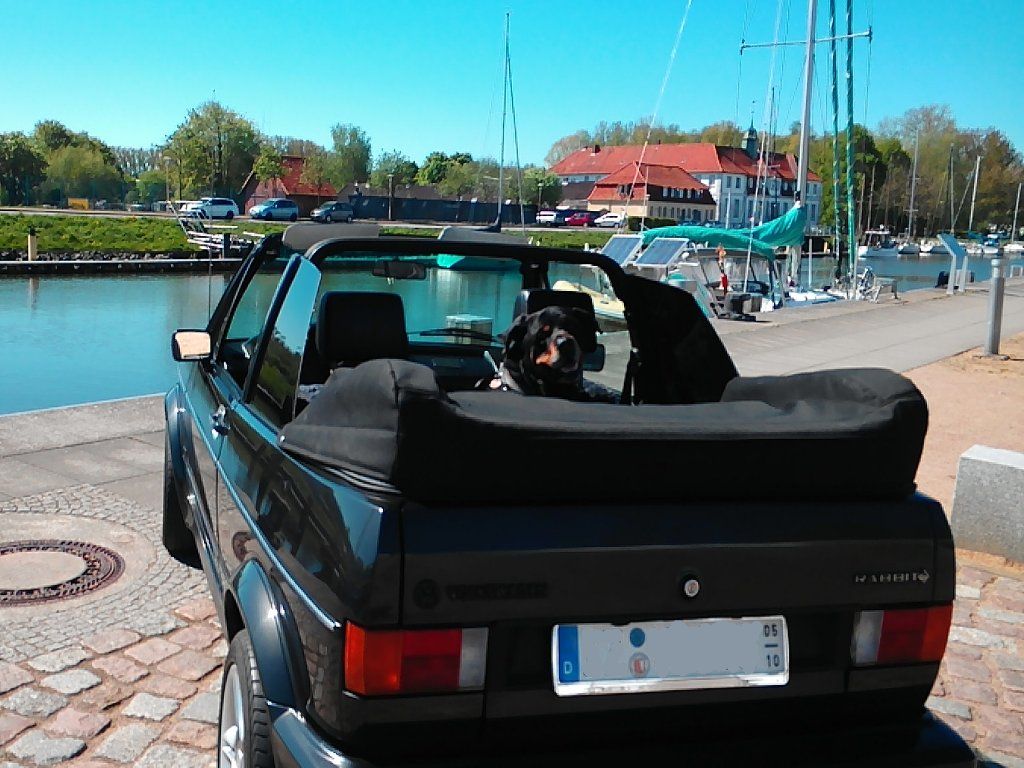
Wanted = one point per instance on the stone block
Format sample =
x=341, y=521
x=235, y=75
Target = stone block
x=71, y=682
x=12, y=676
x=127, y=743
x=38, y=748
x=77, y=724
x=11, y=725
x=988, y=511
x=205, y=708
x=150, y=707
x=32, y=702
x=111, y=640
x=58, y=661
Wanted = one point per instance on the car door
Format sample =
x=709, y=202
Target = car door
x=251, y=459
x=216, y=383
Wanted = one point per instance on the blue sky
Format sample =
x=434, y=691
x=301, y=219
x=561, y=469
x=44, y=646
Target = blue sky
x=419, y=76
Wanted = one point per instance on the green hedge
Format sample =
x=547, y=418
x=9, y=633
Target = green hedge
x=649, y=222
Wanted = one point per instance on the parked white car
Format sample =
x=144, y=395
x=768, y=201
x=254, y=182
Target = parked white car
x=610, y=220
x=213, y=208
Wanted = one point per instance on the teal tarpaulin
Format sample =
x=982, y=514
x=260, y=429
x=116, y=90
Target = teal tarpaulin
x=764, y=239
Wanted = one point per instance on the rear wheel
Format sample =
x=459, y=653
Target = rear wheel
x=229, y=215
x=244, y=728
x=178, y=539
x=293, y=217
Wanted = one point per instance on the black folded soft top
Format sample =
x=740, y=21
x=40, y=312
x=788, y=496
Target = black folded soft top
x=844, y=434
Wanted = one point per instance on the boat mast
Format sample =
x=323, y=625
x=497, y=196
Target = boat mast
x=833, y=58
x=805, y=127
x=952, y=216
x=974, y=195
x=851, y=214
x=913, y=189
x=504, y=112
x=1016, y=206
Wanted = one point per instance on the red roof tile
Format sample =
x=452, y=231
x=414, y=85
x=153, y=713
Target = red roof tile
x=694, y=158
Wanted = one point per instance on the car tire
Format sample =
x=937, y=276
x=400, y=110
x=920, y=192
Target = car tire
x=293, y=217
x=243, y=730
x=177, y=538
x=229, y=215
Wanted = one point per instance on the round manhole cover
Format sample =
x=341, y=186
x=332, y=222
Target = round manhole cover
x=41, y=570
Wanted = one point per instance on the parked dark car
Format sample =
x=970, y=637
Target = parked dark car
x=582, y=219
x=332, y=211
x=408, y=567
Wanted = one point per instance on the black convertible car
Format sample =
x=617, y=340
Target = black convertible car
x=413, y=568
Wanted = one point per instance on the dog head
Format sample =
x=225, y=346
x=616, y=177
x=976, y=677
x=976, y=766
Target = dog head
x=544, y=350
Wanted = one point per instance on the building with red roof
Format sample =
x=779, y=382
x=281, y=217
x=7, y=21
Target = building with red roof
x=651, y=189
x=307, y=196
x=744, y=183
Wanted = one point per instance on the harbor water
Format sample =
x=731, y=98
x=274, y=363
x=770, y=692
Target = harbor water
x=70, y=340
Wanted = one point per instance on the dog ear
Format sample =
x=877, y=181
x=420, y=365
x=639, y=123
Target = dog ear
x=587, y=325
x=514, y=338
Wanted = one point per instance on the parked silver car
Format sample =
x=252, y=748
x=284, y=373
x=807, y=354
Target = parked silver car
x=276, y=209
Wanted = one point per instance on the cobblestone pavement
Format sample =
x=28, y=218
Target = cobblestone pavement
x=980, y=690
x=130, y=675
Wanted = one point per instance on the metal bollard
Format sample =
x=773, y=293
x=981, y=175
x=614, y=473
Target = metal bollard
x=225, y=245
x=995, y=307
x=33, y=248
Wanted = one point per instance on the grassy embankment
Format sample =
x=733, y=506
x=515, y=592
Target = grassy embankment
x=145, y=234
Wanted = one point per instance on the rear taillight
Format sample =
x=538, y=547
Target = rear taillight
x=389, y=662
x=901, y=636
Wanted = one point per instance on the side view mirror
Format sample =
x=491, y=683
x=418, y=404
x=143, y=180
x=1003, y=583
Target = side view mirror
x=188, y=345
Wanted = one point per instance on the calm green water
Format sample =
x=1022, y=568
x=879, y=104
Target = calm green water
x=70, y=340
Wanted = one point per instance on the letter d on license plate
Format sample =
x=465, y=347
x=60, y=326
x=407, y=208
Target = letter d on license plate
x=589, y=659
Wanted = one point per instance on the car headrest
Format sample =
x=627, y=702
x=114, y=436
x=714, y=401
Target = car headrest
x=532, y=300
x=353, y=327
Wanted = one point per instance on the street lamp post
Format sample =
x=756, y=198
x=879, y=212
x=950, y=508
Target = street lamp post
x=391, y=196
x=167, y=182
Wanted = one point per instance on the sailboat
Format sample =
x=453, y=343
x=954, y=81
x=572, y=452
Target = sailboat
x=492, y=232
x=1013, y=246
x=909, y=247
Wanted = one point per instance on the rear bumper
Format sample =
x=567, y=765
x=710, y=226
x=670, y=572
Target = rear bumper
x=931, y=745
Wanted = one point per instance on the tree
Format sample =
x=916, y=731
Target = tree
x=22, y=168
x=460, y=180
x=316, y=170
x=51, y=135
x=135, y=161
x=214, y=150
x=289, y=145
x=350, y=161
x=725, y=133
x=83, y=172
x=268, y=164
x=565, y=146
x=436, y=166
x=401, y=169
x=541, y=187
x=151, y=186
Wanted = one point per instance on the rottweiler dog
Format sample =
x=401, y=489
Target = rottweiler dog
x=544, y=355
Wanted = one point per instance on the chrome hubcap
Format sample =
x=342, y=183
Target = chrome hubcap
x=232, y=722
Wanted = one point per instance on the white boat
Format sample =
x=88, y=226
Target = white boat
x=1013, y=247
x=937, y=248
x=909, y=249
x=878, y=244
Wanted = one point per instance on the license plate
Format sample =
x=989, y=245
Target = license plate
x=590, y=659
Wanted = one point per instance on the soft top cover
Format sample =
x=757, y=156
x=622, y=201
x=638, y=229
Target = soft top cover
x=837, y=435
